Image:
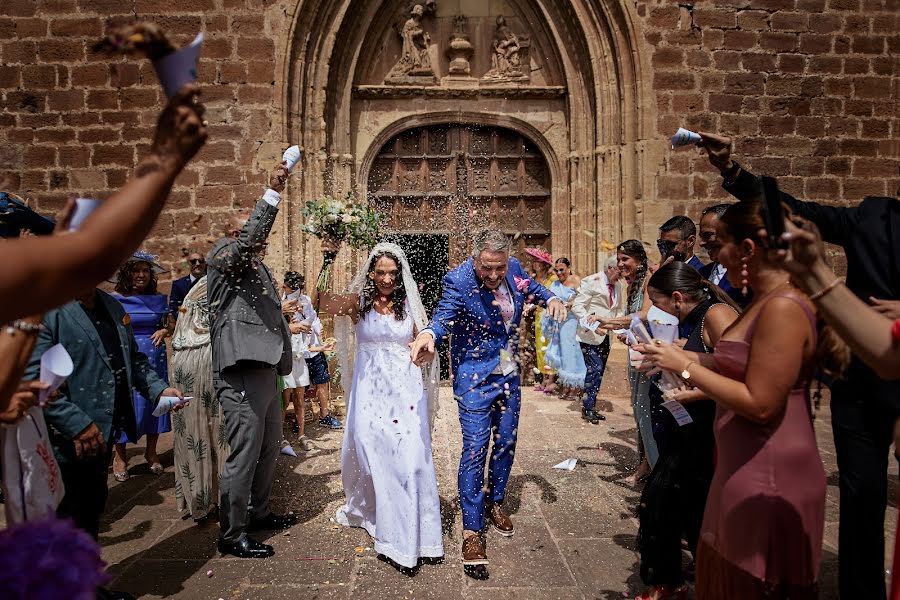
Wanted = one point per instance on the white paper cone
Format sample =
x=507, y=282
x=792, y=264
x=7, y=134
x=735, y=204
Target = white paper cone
x=635, y=358
x=56, y=366
x=179, y=68
x=83, y=209
x=567, y=465
x=287, y=450
x=292, y=157
x=167, y=403
x=684, y=137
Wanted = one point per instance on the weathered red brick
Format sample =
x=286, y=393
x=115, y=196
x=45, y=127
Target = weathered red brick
x=825, y=23
x=753, y=20
x=790, y=21
x=113, y=155
x=668, y=57
x=31, y=28
x=38, y=77
x=93, y=75
x=68, y=100
x=76, y=27
x=758, y=62
x=779, y=42
x=740, y=40
x=727, y=60
x=872, y=87
x=868, y=44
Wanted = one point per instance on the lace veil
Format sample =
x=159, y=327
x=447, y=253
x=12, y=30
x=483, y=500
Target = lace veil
x=344, y=327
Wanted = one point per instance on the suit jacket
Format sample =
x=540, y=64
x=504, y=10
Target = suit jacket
x=89, y=394
x=593, y=299
x=734, y=293
x=468, y=315
x=180, y=289
x=245, y=308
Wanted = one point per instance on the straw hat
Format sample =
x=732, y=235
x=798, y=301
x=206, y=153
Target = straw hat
x=540, y=254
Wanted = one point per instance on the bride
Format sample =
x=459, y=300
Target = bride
x=386, y=463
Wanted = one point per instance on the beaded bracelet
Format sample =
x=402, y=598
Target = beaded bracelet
x=826, y=289
x=24, y=326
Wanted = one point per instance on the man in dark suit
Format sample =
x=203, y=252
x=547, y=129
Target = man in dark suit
x=181, y=287
x=677, y=237
x=251, y=346
x=94, y=405
x=714, y=272
x=864, y=407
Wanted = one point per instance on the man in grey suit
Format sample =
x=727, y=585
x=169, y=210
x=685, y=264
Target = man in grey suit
x=94, y=405
x=251, y=346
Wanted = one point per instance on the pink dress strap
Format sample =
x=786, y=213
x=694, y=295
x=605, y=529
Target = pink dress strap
x=809, y=315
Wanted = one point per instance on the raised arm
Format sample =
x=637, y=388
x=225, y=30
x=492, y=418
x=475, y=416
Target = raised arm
x=836, y=223
x=37, y=271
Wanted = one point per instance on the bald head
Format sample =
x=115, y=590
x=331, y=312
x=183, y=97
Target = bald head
x=236, y=222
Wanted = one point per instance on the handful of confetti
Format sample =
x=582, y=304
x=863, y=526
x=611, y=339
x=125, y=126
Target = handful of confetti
x=145, y=39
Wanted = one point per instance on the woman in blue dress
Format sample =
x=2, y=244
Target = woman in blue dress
x=150, y=320
x=564, y=352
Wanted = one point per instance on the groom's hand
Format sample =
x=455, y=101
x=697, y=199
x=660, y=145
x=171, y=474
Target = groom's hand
x=421, y=350
x=556, y=308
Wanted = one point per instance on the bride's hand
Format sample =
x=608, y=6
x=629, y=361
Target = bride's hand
x=330, y=244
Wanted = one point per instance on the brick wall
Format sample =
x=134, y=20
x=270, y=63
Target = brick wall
x=809, y=87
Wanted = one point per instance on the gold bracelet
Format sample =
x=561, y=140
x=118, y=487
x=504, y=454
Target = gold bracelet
x=826, y=289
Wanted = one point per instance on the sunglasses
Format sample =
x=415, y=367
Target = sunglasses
x=665, y=247
x=197, y=261
x=559, y=270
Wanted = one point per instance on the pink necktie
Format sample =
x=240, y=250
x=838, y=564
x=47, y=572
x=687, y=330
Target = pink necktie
x=506, y=306
x=612, y=288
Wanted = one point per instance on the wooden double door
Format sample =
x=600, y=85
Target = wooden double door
x=454, y=180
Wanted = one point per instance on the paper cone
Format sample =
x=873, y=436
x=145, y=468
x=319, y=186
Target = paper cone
x=167, y=403
x=567, y=465
x=635, y=358
x=292, y=157
x=287, y=450
x=663, y=326
x=83, y=209
x=56, y=366
x=179, y=68
x=684, y=137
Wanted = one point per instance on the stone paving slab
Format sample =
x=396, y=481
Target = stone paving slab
x=575, y=535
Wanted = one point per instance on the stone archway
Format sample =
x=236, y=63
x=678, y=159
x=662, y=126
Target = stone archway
x=454, y=179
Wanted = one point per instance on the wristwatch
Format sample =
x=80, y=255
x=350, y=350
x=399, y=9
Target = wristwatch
x=685, y=374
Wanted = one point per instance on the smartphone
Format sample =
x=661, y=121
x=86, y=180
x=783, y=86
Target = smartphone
x=773, y=212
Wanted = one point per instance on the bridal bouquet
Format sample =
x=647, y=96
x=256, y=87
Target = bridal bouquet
x=340, y=221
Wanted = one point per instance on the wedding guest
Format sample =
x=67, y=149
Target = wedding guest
x=251, y=346
x=871, y=335
x=148, y=313
x=714, y=272
x=601, y=295
x=483, y=330
x=386, y=458
x=319, y=376
x=762, y=530
x=37, y=272
x=635, y=269
x=674, y=497
x=563, y=352
x=863, y=405
x=95, y=403
x=541, y=263
x=200, y=441
x=181, y=286
x=677, y=237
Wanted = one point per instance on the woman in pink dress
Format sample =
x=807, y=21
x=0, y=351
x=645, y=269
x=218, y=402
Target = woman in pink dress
x=762, y=528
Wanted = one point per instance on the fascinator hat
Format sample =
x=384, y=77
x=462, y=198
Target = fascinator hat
x=540, y=254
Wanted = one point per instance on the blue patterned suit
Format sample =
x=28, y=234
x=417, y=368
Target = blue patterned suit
x=488, y=400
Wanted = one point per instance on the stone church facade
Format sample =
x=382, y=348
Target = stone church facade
x=546, y=118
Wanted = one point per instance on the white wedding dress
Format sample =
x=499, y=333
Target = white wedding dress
x=386, y=463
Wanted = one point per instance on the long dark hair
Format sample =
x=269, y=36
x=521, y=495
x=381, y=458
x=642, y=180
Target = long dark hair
x=635, y=249
x=679, y=276
x=125, y=280
x=370, y=292
x=744, y=220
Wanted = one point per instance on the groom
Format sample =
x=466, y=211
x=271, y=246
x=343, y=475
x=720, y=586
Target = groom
x=480, y=309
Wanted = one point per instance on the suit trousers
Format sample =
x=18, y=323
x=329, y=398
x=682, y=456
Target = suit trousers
x=252, y=410
x=86, y=490
x=595, y=356
x=489, y=411
x=863, y=424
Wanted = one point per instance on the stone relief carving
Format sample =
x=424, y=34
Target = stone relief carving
x=414, y=66
x=510, y=56
x=460, y=50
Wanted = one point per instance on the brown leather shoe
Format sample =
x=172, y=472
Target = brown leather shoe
x=500, y=521
x=473, y=551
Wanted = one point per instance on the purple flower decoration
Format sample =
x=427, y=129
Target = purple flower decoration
x=50, y=560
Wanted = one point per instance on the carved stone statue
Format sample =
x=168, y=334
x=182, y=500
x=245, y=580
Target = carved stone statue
x=510, y=60
x=414, y=66
x=460, y=49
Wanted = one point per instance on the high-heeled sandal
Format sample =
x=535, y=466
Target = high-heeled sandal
x=665, y=592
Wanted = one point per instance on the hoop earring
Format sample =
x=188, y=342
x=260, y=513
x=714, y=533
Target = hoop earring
x=744, y=275
x=372, y=276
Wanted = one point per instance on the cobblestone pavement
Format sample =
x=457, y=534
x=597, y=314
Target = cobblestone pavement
x=575, y=531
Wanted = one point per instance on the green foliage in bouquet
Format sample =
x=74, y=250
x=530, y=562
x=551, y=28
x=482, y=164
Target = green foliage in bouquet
x=342, y=220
